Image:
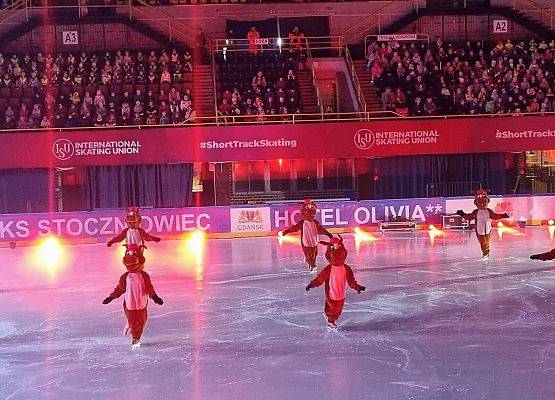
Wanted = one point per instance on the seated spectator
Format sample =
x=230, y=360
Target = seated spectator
x=467, y=79
x=164, y=119
x=430, y=107
x=388, y=100
x=259, y=81
x=376, y=71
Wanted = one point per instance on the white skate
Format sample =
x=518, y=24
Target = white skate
x=332, y=325
x=135, y=344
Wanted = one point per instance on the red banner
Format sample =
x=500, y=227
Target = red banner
x=128, y=146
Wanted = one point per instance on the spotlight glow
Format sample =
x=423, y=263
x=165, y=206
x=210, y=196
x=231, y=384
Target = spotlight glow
x=434, y=232
x=49, y=256
x=195, y=241
x=282, y=239
x=50, y=251
x=551, y=228
x=362, y=236
x=502, y=229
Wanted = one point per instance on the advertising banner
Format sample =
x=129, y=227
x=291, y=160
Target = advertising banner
x=129, y=146
x=363, y=213
x=105, y=224
x=250, y=219
x=518, y=207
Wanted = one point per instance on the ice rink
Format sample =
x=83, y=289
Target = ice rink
x=436, y=322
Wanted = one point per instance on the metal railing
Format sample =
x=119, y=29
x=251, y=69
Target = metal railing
x=376, y=19
x=530, y=7
x=355, y=80
x=450, y=189
x=418, y=37
x=161, y=19
x=283, y=119
x=276, y=44
x=294, y=118
x=310, y=62
x=135, y=9
x=13, y=10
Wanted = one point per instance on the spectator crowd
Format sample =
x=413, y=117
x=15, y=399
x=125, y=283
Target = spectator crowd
x=260, y=84
x=418, y=79
x=88, y=89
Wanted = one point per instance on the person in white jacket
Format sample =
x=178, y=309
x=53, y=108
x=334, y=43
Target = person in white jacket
x=483, y=217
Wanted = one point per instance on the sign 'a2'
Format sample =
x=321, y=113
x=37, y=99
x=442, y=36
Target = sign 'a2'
x=500, y=26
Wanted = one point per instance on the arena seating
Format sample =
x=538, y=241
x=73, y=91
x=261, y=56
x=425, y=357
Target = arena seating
x=259, y=86
x=472, y=78
x=95, y=90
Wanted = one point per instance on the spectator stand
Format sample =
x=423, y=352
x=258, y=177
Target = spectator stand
x=373, y=88
x=261, y=79
x=119, y=88
x=472, y=77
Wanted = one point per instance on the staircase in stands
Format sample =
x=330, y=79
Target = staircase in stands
x=203, y=90
x=308, y=94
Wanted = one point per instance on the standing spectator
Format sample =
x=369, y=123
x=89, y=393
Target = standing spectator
x=296, y=39
x=253, y=36
x=201, y=44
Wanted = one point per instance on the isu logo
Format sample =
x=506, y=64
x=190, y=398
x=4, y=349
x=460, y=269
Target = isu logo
x=63, y=149
x=250, y=217
x=364, y=139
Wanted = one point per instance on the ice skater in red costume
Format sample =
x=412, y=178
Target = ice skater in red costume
x=335, y=276
x=310, y=229
x=133, y=234
x=136, y=287
x=483, y=216
x=550, y=255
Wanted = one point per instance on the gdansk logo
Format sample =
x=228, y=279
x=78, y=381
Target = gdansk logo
x=63, y=149
x=364, y=139
x=250, y=217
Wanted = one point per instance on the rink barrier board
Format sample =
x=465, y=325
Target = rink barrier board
x=177, y=144
x=262, y=220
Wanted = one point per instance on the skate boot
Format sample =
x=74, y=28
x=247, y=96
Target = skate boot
x=332, y=325
x=135, y=344
x=312, y=269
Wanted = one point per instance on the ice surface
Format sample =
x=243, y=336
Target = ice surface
x=436, y=322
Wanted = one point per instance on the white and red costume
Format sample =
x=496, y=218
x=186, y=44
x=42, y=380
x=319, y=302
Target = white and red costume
x=133, y=234
x=136, y=287
x=310, y=230
x=335, y=277
x=483, y=217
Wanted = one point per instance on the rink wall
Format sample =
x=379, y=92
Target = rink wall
x=260, y=220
